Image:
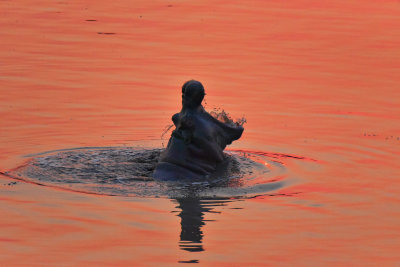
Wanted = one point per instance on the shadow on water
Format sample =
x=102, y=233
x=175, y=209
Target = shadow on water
x=192, y=220
x=192, y=211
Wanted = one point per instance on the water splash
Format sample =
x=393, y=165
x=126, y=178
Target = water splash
x=223, y=116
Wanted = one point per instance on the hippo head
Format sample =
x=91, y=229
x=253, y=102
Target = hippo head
x=192, y=94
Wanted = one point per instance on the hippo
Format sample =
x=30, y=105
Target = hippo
x=195, y=147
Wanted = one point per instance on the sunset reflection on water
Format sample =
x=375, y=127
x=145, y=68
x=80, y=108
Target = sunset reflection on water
x=318, y=80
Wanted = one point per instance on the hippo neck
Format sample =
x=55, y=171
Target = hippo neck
x=197, y=109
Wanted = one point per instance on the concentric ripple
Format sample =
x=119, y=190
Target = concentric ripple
x=126, y=171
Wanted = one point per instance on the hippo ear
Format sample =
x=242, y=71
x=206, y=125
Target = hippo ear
x=175, y=119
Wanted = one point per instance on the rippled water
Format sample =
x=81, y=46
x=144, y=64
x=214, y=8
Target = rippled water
x=122, y=171
x=318, y=83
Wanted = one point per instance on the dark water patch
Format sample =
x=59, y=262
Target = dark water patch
x=386, y=137
x=189, y=261
x=11, y=183
x=106, y=33
x=127, y=171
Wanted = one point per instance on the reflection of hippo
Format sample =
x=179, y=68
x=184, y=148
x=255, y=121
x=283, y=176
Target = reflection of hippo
x=196, y=145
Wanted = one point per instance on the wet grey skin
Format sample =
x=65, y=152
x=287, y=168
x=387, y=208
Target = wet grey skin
x=195, y=148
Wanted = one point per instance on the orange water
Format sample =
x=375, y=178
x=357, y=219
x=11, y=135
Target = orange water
x=320, y=79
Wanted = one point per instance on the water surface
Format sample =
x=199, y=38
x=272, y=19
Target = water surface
x=318, y=80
